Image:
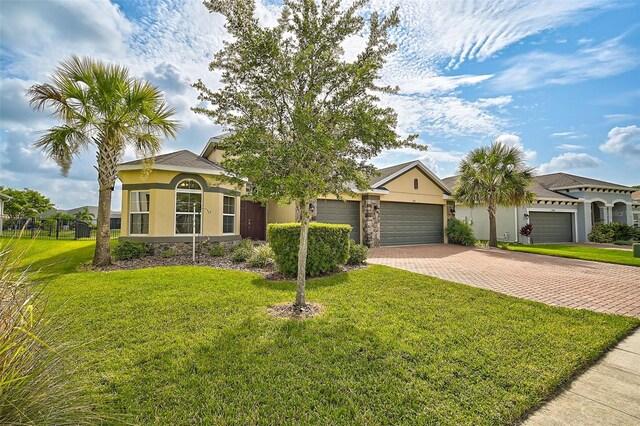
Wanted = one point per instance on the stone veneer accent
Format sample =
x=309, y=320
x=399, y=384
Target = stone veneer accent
x=371, y=220
x=451, y=205
x=203, y=244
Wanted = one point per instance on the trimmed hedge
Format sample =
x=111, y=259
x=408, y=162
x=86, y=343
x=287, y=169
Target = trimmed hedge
x=328, y=247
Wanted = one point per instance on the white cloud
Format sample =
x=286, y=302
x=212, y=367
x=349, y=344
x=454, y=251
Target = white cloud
x=569, y=135
x=515, y=141
x=37, y=35
x=537, y=69
x=432, y=83
x=615, y=118
x=585, y=40
x=449, y=115
x=456, y=31
x=569, y=161
x=623, y=141
x=569, y=147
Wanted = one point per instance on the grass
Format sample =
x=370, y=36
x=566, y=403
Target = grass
x=178, y=345
x=617, y=256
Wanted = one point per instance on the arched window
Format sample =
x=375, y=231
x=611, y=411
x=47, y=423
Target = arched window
x=415, y=184
x=188, y=206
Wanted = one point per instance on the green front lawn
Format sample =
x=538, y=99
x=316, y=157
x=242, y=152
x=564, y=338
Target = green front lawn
x=179, y=345
x=621, y=257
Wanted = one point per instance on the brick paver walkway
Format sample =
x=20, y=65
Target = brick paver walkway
x=601, y=287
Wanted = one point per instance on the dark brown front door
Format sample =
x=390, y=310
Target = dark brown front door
x=253, y=220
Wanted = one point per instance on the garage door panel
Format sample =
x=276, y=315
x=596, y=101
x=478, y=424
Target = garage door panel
x=410, y=223
x=346, y=212
x=551, y=227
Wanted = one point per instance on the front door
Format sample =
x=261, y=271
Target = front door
x=253, y=220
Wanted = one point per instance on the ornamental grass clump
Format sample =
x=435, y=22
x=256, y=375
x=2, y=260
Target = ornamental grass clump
x=34, y=380
x=262, y=256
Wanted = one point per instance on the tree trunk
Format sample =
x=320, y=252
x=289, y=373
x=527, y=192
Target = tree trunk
x=493, y=238
x=107, y=161
x=302, y=254
x=102, y=256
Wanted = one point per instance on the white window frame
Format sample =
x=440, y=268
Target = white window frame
x=175, y=205
x=131, y=213
x=229, y=214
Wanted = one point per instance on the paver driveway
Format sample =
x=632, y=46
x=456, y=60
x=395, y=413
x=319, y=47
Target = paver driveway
x=573, y=283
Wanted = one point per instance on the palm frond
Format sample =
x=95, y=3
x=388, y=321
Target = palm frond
x=494, y=175
x=61, y=144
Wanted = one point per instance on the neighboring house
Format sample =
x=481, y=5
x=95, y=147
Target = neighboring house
x=93, y=210
x=565, y=208
x=635, y=197
x=406, y=204
x=3, y=198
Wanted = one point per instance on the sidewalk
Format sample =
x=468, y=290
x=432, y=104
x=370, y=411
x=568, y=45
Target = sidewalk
x=606, y=394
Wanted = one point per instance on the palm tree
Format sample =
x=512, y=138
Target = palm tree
x=494, y=176
x=99, y=104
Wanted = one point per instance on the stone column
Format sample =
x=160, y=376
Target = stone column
x=371, y=220
x=314, y=211
x=584, y=221
x=451, y=210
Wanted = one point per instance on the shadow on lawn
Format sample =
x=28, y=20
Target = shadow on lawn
x=60, y=264
x=312, y=283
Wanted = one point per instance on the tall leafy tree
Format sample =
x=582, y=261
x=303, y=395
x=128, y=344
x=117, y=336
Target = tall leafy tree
x=494, y=176
x=25, y=202
x=100, y=104
x=303, y=118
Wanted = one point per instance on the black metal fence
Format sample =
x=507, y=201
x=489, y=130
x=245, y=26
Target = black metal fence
x=49, y=228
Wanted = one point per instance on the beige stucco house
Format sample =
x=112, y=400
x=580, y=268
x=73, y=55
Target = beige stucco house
x=406, y=203
x=161, y=202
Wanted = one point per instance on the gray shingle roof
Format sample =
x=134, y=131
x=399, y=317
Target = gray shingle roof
x=561, y=180
x=536, y=187
x=388, y=171
x=182, y=158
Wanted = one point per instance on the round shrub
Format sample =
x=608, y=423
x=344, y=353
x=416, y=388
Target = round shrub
x=127, y=250
x=261, y=256
x=609, y=232
x=328, y=247
x=460, y=233
x=357, y=253
x=169, y=253
x=217, y=250
x=240, y=254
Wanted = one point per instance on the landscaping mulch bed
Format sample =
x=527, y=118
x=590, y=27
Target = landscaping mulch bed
x=222, y=262
x=289, y=310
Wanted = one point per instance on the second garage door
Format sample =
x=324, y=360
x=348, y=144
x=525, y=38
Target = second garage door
x=410, y=223
x=333, y=211
x=551, y=227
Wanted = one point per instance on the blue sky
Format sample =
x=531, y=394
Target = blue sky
x=560, y=79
